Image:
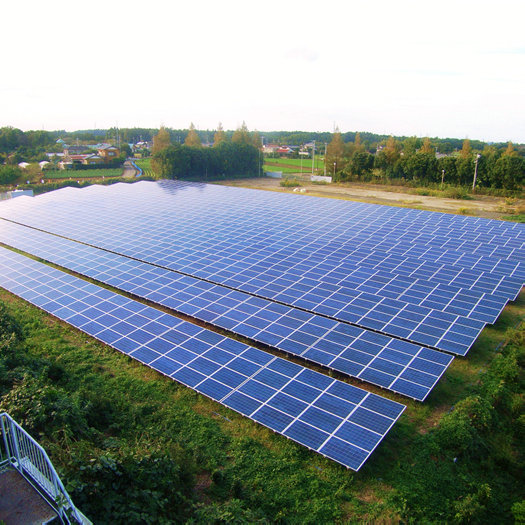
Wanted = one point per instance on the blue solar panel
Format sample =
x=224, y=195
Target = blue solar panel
x=271, y=245
x=342, y=347
x=281, y=395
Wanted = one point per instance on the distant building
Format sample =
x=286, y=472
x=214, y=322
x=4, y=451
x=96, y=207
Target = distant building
x=108, y=153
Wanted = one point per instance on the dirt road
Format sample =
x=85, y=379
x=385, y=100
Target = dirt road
x=481, y=206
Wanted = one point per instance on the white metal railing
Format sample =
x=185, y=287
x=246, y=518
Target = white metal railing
x=23, y=453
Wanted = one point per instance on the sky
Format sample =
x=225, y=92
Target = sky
x=438, y=69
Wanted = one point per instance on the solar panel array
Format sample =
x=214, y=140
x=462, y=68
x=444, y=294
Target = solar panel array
x=376, y=267
x=397, y=365
x=337, y=420
x=371, y=291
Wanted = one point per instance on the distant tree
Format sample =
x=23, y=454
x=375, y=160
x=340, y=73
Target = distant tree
x=335, y=153
x=427, y=147
x=466, y=150
x=509, y=172
x=125, y=150
x=256, y=140
x=420, y=166
x=448, y=164
x=510, y=151
x=9, y=174
x=392, y=151
x=242, y=135
x=219, y=136
x=357, y=142
x=410, y=146
x=161, y=142
x=362, y=163
x=192, y=138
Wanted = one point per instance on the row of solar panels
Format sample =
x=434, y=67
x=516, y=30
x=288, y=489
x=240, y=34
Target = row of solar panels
x=334, y=219
x=397, y=365
x=338, y=420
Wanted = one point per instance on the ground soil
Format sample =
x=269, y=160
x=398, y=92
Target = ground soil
x=480, y=206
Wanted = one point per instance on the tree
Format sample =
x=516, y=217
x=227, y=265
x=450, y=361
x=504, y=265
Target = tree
x=509, y=172
x=9, y=174
x=362, y=163
x=335, y=152
x=219, y=136
x=161, y=140
x=427, y=147
x=256, y=140
x=510, y=151
x=391, y=151
x=466, y=150
x=242, y=135
x=192, y=139
x=410, y=145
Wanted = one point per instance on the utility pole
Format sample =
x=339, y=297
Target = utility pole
x=442, y=176
x=475, y=172
x=313, y=158
x=325, y=159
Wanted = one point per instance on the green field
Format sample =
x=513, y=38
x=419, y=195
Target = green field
x=83, y=174
x=145, y=166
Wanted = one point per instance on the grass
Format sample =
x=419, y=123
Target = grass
x=237, y=466
x=145, y=165
x=307, y=162
x=520, y=217
x=83, y=174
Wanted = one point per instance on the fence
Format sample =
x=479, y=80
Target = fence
x=23, y=453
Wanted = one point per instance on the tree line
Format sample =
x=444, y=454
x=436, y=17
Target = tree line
x=239, y=156
x=417, y=160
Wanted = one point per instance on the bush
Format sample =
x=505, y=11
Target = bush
x=9, y=174
x=152, y=487
x=289, y=182
x=43, y=409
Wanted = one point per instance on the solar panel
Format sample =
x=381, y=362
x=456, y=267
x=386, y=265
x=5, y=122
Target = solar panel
x=337, y=420
x=396, y=365
x=273, y=246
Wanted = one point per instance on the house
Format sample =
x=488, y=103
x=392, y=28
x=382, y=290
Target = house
x=93, y=159
x=108, y=153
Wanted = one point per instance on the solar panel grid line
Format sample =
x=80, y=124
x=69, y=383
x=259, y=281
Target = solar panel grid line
x=261, y=336
x=332, y=382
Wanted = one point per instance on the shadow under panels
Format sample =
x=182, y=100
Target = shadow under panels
x=390, y=363
x=335, y=419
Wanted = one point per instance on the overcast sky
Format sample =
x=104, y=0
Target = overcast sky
x=447, y=69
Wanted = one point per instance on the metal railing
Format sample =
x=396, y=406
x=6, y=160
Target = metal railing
x=24, y=454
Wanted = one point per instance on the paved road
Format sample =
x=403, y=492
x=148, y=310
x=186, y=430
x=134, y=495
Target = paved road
x=129, y=170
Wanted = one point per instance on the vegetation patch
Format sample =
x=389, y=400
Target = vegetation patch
x=290, y=182
x=80, y=174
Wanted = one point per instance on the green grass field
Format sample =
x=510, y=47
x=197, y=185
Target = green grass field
x=83, y=174
x=145, y=166
x=293, y=165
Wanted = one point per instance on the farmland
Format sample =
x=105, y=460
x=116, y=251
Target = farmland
x=83, y=174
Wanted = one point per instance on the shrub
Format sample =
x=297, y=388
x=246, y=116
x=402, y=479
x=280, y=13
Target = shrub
x=289, y=182
x=152, y=487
